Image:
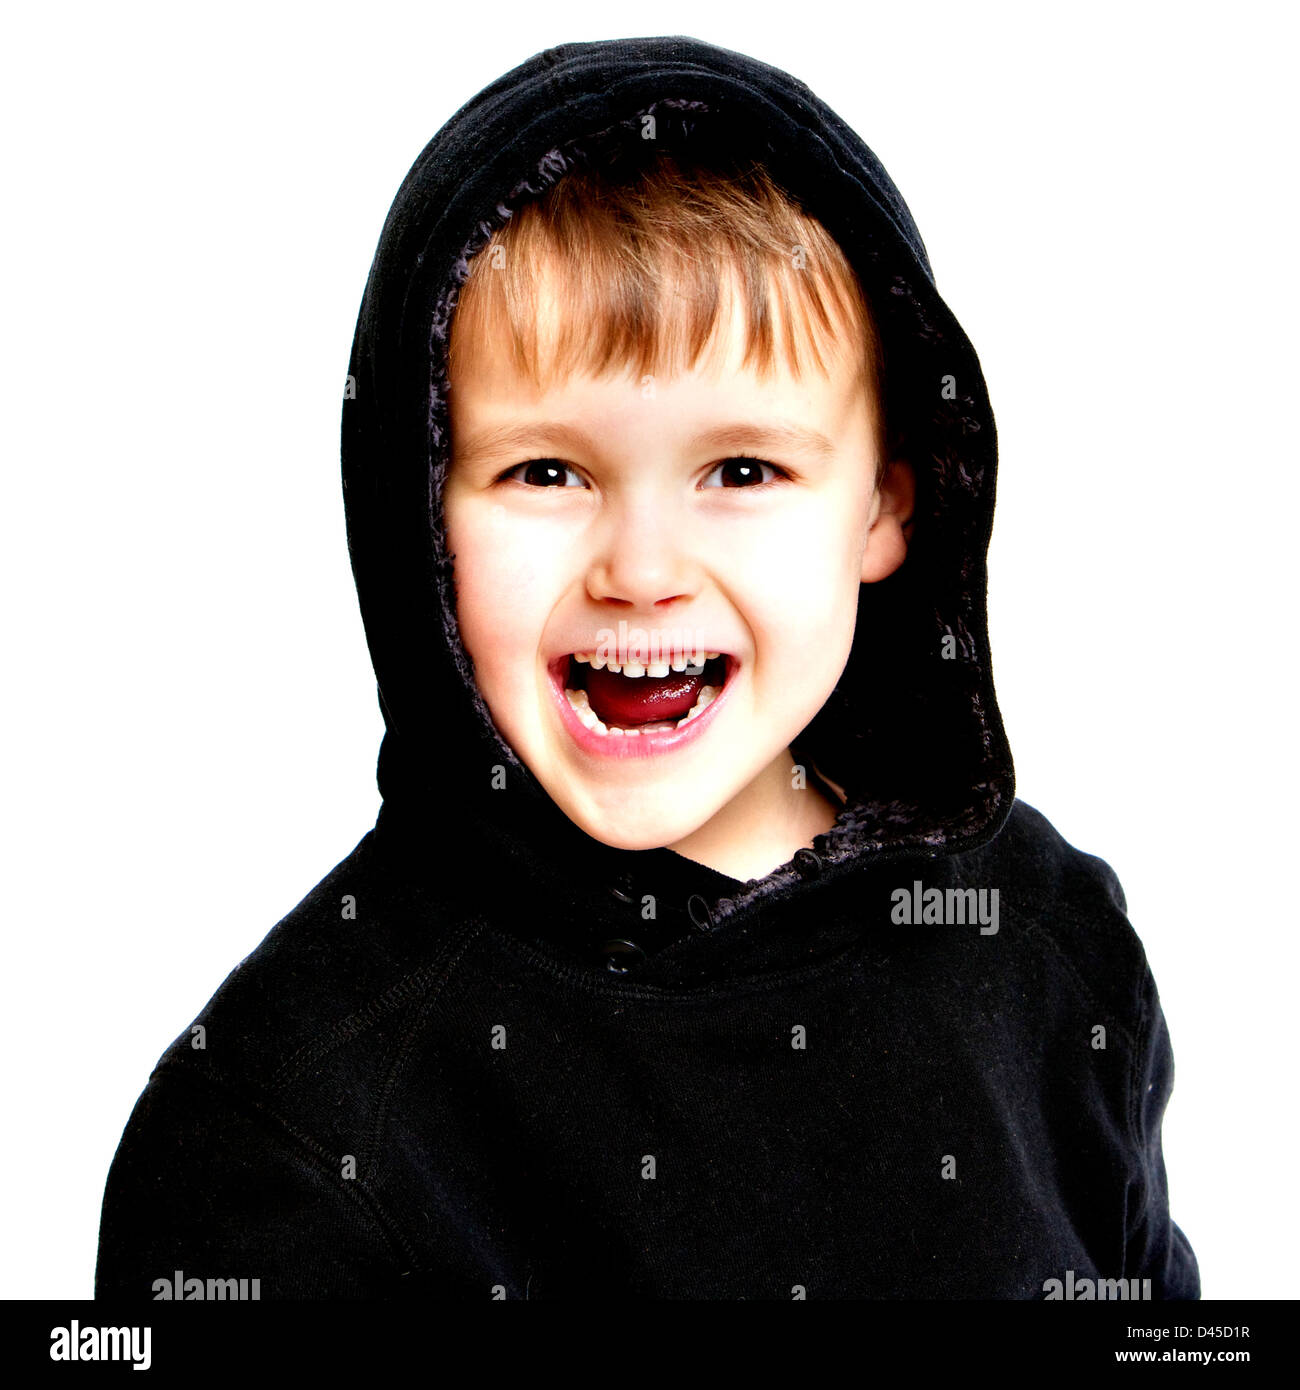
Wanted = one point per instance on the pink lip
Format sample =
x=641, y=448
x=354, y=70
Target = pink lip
x=634, y=745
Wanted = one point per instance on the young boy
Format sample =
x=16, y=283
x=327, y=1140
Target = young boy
x=700, y=949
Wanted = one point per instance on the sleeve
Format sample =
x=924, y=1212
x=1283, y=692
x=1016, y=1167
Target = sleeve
x=1155, y=1247
x=207, y=1185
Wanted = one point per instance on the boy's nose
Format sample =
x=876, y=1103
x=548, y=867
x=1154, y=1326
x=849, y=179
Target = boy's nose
x=642, y=560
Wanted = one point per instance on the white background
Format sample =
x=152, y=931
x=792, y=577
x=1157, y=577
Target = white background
x=192, y=202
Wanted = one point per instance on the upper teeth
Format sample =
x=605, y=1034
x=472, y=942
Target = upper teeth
x=681, y=662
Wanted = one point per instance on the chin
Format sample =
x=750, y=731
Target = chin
x=637, y=831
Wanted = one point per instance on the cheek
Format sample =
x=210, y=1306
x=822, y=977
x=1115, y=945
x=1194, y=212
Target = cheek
x=797, y=583
x=503, y=590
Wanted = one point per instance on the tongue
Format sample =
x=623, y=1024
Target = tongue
x=628, y=700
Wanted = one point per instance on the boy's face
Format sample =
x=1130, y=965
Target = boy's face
x=636, y=517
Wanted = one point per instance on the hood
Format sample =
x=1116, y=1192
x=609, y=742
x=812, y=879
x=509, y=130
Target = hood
x=912, y=731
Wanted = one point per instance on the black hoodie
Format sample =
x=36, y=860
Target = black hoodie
x=469, y=1063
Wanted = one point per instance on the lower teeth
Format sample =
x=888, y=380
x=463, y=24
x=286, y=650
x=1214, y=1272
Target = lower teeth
x=582, y=708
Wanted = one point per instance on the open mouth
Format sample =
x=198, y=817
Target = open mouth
x=630, y=700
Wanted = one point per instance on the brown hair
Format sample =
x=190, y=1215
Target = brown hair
x=641, y=264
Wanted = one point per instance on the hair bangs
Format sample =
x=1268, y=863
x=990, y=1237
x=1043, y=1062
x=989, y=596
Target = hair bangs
x=645, y=272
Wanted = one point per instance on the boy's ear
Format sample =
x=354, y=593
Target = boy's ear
x=890, y=532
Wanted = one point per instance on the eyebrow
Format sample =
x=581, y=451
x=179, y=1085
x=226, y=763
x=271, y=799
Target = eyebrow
x=505, y=439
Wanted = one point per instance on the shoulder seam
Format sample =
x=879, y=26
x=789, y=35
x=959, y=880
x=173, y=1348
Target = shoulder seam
x=409, y=987
x=1080, y=983
x=447, y=962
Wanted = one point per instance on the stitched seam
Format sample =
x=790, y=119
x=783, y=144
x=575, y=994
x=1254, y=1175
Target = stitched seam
x=615, y=990
x=361, y=1020
x=1146, y=1020
x=1072, y=970
x=462, y=942
x=313, y=1152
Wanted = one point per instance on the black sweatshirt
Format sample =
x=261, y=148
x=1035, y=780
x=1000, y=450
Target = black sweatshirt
x=489, y=1056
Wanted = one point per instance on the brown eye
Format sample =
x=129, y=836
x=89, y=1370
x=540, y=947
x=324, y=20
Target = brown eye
x=545, y=473
x=742, y=471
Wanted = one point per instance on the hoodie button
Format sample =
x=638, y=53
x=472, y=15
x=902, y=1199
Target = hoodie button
x=807, y=863
x=622, y=889
x=620, y=955
x=699, y=912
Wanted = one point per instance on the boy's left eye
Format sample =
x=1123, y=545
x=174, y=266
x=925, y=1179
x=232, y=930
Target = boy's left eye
x=742, y=471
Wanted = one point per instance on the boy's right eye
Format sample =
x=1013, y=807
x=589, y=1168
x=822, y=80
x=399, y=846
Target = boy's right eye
x=545, y=473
